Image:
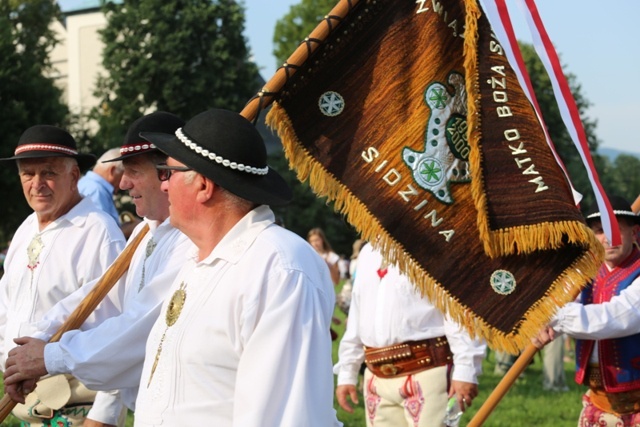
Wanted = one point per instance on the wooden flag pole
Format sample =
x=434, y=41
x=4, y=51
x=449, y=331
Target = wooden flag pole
x=635, y=206
x=298, y=57
x=88, y=304
x=503, y=386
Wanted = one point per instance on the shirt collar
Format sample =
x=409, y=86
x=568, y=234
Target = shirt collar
x=77, y=215
x=236, y=242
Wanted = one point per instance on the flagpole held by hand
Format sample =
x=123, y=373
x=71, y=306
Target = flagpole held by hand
x=503, y=386
x=88, y=304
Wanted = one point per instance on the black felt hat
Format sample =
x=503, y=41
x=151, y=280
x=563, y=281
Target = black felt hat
x=620, y=207
x=159, y=121
x=226, y=148
x=50, y=141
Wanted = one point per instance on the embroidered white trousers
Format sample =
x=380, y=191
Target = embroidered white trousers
x=417, y=400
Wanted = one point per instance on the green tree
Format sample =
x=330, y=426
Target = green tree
x=27, y=95
x=307, y=210
x=292, y=28
x=557, y=130
x=175, y=55
x=623, y=176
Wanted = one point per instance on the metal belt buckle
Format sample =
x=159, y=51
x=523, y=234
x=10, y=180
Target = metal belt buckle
x=388, y=369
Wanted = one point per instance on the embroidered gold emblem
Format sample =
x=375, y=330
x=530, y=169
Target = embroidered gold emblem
x=173, y=312
x=175, y=305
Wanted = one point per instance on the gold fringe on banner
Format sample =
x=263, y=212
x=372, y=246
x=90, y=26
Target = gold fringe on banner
x=325, y=185
x=454, y=241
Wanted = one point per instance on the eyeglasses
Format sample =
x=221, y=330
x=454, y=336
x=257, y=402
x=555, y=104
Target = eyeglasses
x=165, y=171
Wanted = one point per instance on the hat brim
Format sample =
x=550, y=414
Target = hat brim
x=270, y=189
x=85, y=161
x=136, y=153
x=619, y=214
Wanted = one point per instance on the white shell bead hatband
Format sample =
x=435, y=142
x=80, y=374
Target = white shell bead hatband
x=126, y=149
x=218, y=159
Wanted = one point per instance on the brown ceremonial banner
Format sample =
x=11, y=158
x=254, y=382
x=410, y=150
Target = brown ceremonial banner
x=411, y=119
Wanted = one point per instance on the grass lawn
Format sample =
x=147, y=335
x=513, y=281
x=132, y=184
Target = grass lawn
x=526, y=404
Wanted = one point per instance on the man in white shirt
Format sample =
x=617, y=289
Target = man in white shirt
x=108, y=352
x=606, y=325
x=66, y=242
x=244, y=340
x=409, y=348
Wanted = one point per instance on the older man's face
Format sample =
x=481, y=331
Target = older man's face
x=49, y=185
x=140, y=179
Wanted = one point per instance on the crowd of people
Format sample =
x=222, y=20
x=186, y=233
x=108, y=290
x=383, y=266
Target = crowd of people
x=224, y=316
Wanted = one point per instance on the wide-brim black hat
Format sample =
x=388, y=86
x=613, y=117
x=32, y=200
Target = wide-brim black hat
x=159, y=121
x=620, y=206
x=226, y=148
x=50, y=141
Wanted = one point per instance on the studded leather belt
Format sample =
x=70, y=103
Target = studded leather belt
x=408, y=358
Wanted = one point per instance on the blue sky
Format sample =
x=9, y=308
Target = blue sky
x=598, y=41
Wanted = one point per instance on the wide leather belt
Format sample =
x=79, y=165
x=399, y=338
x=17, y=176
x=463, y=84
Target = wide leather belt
x=408, y=358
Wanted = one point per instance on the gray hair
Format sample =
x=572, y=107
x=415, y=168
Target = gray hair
x=110, y=154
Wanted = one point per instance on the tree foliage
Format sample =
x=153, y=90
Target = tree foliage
x=182, y=56
x=307, y=210
x=292, y=28
x=27, y=96
x=619, y=177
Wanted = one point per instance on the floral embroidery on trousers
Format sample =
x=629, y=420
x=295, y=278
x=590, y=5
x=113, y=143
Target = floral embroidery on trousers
x=372, y=400
x=411, y=392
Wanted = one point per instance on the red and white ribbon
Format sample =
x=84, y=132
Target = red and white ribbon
x=498, y=16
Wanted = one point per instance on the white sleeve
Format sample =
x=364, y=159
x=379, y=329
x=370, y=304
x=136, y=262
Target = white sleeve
x=3, y=318
x=468, y=353
x=110, y=306
x=110, y=356
x=107, y=408
x=350, y=351
x=290, y=333
x=617, y=318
